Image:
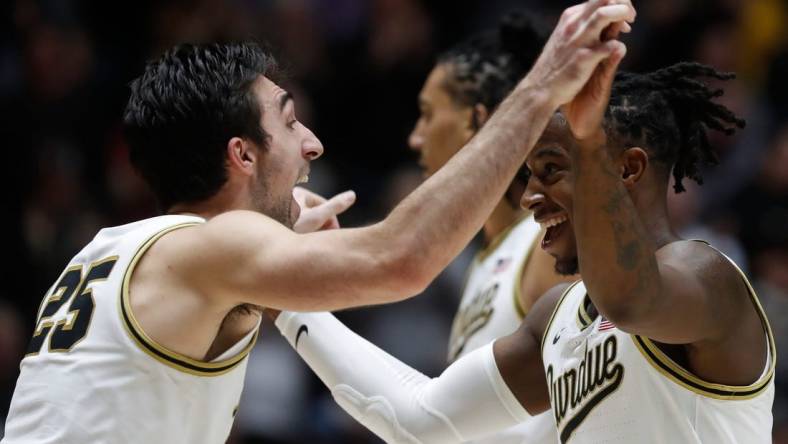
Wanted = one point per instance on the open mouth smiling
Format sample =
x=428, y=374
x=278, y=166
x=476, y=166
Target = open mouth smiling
x=554, y=226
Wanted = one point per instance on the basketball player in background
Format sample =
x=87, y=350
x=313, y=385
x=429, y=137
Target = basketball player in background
x=662, y=341
x=511, y=271
x=143, y=338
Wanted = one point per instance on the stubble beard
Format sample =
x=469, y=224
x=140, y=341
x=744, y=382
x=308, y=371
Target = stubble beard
x=277, y=208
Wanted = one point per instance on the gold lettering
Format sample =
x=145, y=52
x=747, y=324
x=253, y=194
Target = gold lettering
x=471, y=318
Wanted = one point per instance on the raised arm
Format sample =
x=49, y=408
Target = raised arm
x=252, y=259
x=635, y=284
x=637, y=272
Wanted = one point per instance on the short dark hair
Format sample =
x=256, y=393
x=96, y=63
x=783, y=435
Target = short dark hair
x=487, y=66
x=668, y=112
x=184, y=108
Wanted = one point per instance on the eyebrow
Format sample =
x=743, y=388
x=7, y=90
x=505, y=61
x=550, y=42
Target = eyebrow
x=548, y=151
x=287, y=96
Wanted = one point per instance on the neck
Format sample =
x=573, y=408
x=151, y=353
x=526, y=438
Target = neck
x=654, y=214
x=219, y=203
x=502, y=217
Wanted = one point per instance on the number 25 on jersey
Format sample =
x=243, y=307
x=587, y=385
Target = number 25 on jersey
x=71, y=327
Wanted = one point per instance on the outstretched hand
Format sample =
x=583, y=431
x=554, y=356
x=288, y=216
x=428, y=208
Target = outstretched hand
x=580, y=59
x=319, y=213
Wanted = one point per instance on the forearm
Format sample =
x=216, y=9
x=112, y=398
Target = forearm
x=615, y=251
x=438, y=219
x=394, y=401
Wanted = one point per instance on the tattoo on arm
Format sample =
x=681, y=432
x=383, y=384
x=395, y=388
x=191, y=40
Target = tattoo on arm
x=629, y=251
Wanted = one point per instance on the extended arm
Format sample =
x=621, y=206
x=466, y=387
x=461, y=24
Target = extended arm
x=394, y=401
x=470, y=399
x=247, y=258
x=253, y=259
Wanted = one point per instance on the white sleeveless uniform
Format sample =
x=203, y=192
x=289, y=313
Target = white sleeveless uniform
x=607, y=386
x=490, y=308
x=91, y=375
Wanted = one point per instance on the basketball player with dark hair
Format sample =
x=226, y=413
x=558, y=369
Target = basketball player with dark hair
x=510, y=272
x=143, y=338
x=662, y=341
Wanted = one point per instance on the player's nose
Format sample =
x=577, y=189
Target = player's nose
x=531, y=198
x=415, y=139
x=311, y=147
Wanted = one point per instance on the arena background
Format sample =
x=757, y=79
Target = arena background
x=355, y=67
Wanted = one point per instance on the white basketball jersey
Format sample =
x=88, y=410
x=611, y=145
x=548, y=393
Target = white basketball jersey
x=607, y=386
x=91, y=375
x=490, y=308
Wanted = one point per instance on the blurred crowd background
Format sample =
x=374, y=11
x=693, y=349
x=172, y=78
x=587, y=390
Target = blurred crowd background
x=355, y=67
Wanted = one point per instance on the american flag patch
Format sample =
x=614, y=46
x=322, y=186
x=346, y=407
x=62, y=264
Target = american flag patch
x=502, y=264
x=605, y=325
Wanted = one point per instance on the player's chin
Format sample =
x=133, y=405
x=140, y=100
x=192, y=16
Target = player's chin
x=567, y=266
x=564, y=250
x=560, y=244
x=428, y=167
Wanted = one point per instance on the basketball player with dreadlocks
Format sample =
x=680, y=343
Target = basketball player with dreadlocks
x=511, y=271
x=662, y=341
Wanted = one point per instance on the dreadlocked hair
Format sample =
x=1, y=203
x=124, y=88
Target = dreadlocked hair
x=484, y=68
x=668, y=112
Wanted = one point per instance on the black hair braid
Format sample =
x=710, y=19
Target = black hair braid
x=668, y=112
x=486, y=67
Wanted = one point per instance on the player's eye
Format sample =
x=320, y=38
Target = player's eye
x=550, y=169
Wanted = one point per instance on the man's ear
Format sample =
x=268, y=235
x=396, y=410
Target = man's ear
x=241, y=155
x=479, y=115
x=634, y=162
